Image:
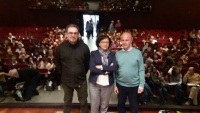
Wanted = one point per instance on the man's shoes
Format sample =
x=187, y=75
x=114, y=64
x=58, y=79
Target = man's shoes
x=35, y=92
x=26, y=100
x=187, y=103
x=154, y=96
x=2, y=99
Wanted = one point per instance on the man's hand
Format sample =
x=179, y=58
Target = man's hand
x=140, y=90
x=116, y=90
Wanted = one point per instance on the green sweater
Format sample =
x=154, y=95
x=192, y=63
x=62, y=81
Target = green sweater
x=130, y=71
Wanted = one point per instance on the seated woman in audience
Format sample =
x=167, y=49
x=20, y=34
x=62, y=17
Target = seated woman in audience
x=184, y=58
x=165, y=47
x=156, y=80
x=160, y=51
x=23, y=56
x=176, y=79
x=45, y=64
x=43, y=49
x=19, y=48
x=36, y=55
x=31, y=63
x=156, y=59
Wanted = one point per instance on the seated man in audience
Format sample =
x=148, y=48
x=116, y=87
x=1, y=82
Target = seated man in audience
x=19, y=49
x=14, y=43
x=30, y=48
x=28, y=75
x=145, y=46
x=11, y=37
x=9, y=54
x=195, y=53
x=149, y=51
x=13, y=61
x=5, y=44
x=193, y=79
x=50, y=54
x=169, y=60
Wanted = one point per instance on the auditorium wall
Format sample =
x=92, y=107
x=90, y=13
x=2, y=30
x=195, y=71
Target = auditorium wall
x=169, y=14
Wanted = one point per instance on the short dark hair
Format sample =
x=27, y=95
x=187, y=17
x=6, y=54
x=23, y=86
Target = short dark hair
x=102, y=37
x=71, y=25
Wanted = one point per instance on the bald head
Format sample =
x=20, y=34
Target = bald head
x=126, y=34
x=191, y=70
x=126, y=40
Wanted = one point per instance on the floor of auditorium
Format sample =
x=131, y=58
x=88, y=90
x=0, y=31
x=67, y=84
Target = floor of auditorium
x=54, y=99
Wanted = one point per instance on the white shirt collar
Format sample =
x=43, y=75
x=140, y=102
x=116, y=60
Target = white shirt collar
x=128, y=49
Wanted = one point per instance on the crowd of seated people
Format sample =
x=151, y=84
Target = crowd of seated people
x=37, y=54
x=58, y=4
x=128, y=5
x=181, y=57
x=160, y=55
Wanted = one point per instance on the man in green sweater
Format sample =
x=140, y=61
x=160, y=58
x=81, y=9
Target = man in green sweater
x=129, y=78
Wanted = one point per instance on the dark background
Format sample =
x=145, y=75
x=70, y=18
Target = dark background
x=166, y=14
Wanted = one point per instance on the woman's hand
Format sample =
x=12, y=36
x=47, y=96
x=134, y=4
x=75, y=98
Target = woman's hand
x=98, y=66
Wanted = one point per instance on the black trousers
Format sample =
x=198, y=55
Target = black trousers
x=133, y=97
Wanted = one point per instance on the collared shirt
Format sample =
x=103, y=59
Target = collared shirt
x=128, y=49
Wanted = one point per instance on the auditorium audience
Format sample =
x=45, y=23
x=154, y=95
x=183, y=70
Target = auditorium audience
x=177, y=51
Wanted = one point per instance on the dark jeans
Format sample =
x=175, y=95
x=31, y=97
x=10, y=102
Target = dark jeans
x=147, y=92
x=1, y=91
x=133, y=97
x=162, y=91
x=31, y=87
x=178, y=92
x=82, y=97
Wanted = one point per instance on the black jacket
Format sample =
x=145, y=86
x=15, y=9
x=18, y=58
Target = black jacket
x=72, y=62
x=25, y=75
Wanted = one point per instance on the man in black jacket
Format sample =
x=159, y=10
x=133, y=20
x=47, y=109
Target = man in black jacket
x=72, y=62
x=28, y=75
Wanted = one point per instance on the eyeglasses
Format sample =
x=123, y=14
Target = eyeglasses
x=104, y=42
x=72, y=33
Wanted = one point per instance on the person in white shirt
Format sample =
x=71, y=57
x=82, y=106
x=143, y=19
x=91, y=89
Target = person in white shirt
x=19, y=49
x=102, y=66
x=176, y=80
x=10, y=37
